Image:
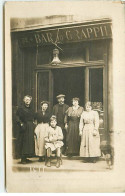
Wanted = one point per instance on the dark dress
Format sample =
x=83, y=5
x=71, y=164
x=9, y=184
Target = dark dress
x=73, y=139
x=25, y=143
x=42, y=118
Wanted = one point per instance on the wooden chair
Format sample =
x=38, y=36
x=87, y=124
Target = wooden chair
x=53, y=156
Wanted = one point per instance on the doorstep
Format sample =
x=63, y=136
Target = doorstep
x=74, y=164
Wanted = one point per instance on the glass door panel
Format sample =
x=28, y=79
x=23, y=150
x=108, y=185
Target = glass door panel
x=96, y=94
x=44, y=86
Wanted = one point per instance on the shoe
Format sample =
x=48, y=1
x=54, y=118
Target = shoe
x=48, y=163
x=69, y=156
x=58, y=162
x=93, y=160
x=85, y=161
x=28, y=161
x=41, y=159
x=23, y=161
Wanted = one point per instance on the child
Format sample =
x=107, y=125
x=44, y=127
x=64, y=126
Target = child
x=53, y=141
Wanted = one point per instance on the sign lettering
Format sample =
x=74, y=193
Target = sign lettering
x=66, y=35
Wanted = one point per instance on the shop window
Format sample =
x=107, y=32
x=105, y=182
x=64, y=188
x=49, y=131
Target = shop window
x=96, y=51
x=44, y=55
x=73, y=53
x=96, y=87
x=96, y=96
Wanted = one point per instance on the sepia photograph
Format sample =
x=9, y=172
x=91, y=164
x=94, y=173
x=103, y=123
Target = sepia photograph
x=60, y=75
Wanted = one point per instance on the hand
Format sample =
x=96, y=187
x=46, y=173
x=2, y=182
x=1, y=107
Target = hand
x=35, y=122
x=80, y=133
x=54, y=139
x=23, y=126
x=51, y=139
x=35, y=136
x=66, y=126
x=94, y=132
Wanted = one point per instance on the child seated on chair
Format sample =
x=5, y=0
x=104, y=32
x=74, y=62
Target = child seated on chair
x=53, y=141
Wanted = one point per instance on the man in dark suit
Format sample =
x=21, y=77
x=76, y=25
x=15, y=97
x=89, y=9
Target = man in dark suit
x=59, y=111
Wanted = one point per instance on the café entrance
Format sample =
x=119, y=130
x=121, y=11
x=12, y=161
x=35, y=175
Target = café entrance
x=84, y=82
x=70, y=82
x=84, y=71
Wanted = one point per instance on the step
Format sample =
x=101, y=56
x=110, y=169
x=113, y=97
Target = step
x=69, y=165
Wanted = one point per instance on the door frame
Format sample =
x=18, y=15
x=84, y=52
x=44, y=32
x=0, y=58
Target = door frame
x=105, y=92
x=50, y=87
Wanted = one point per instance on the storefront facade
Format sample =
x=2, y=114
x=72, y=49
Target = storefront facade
x=84, y=70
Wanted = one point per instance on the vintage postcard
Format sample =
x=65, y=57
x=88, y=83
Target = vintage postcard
x=64, y=96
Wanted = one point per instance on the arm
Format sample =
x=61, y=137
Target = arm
x=54, y=111
x=20, y=117
x=66, y=119
x=46, y=137
x=60, y=134
x=96, y=121
x=81, y=124
x=35, y=118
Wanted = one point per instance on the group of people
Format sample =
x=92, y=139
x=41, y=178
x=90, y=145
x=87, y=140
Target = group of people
x=71, y=131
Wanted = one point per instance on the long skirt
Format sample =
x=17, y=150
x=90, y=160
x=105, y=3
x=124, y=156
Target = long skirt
x=40, y=138
x=73, y=138
x=90, y=145
x=26, y=144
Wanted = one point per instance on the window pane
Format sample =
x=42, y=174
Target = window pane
x=96, y=86
x=42, y=87
x=96, y=51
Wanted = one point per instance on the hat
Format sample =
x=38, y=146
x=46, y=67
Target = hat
x=59, y=96
x=42, y=102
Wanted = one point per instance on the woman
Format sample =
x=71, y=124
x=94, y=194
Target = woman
x=25, y=117
x=42, y=118
x=90, y=138
x=72, y=119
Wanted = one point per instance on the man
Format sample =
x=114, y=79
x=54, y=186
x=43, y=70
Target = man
x=59, y=111
x=25, y=118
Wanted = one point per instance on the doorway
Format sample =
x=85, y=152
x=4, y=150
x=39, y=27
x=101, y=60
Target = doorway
x=70, y=82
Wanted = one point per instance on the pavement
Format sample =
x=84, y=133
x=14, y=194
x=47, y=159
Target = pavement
x=74, y=164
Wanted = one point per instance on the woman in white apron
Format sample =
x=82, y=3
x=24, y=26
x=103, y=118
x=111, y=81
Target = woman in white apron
x=42, y=118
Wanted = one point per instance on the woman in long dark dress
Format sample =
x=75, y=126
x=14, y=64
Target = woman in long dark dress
x=42, y=117
x=72, y=119
x=25, y=118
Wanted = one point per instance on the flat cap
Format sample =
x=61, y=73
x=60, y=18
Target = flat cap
x=59, y=96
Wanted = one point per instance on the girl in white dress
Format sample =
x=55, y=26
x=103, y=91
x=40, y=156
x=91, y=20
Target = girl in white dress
x=90, y=138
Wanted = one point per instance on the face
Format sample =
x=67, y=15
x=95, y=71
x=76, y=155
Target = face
x=53, y=123
x=75, y=102
x=44, y=106
x=61, y=100
x=88, y=108
x=27, y=101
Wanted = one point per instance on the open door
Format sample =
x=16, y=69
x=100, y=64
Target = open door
x=44, y=87
x=70, y=82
